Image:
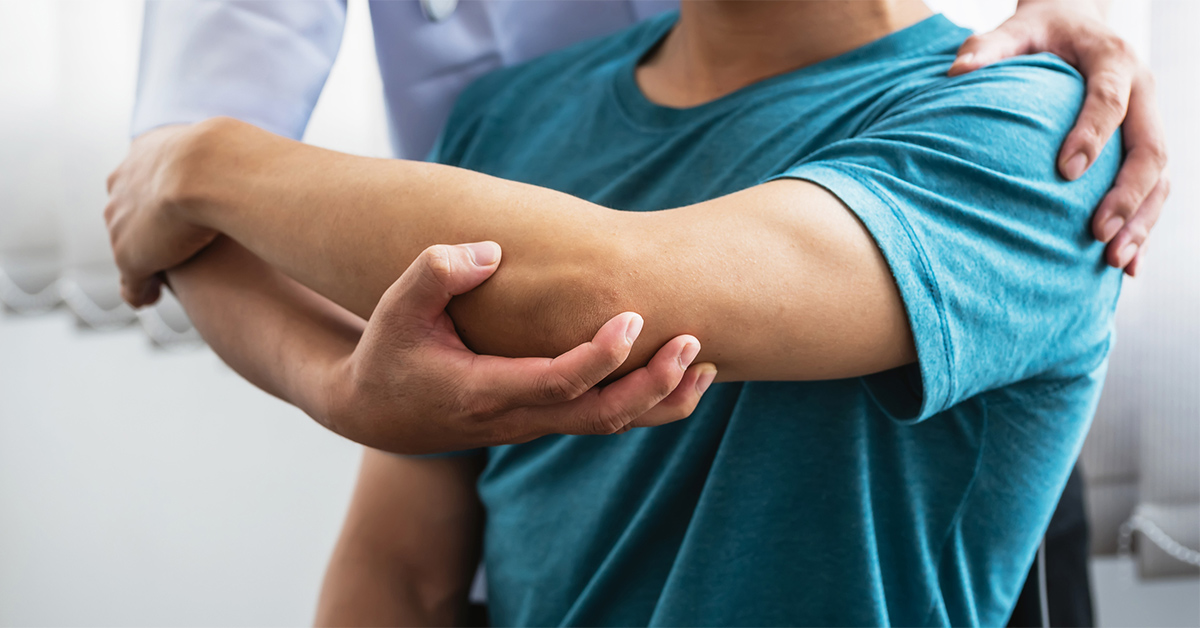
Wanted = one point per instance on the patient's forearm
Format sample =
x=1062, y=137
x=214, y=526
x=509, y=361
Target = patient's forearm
x=276, y=333
x=775, y=285
x=348, y=226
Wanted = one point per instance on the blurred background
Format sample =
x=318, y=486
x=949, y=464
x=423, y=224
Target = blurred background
x=144, y=483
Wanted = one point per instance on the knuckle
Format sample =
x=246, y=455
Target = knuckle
x=676, y=411
x=1146, y=78
x=121, y=258
x=1108, y=94
x=1125, y=202
x=684, y=408
x=1138, y=232
x=1107, y=44
x=689, y=406
x=502, y=433
x=437, y=259
x=664, y=386
x=1149, y=79
x=1156, y=152
x=555, y=387
x=480, y=407
x=606, y=423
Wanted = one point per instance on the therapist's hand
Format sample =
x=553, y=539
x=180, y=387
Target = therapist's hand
x=1119, y=89
x=412, y=387
x=145, y=234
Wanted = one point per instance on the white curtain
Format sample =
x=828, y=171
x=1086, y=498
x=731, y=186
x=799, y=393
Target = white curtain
x=68, y=69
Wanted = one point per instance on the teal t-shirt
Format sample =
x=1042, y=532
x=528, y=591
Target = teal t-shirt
x=912, y=497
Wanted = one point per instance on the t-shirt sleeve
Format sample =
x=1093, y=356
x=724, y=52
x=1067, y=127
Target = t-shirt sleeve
x=991, y=249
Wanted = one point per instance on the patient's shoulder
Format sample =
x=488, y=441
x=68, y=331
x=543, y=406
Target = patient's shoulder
x=1040, y=89
x=1010, y=117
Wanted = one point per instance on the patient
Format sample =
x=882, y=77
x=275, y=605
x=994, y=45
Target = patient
x=898, y=294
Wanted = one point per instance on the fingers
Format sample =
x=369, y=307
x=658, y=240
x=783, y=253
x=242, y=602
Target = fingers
x=1009, y=40
x=505, y=383
x=610, y=409
x=1119, y=92
x=438, y=274
x=1127, y=244
x=1133, y=205
x=683, y=400
x=1104, y=107
x=140, y=293
x=1135, y=266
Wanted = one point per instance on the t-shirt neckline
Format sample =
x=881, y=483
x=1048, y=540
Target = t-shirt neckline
x=645, y=114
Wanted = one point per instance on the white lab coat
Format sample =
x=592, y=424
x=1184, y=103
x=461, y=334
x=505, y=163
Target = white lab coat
x=266, y=62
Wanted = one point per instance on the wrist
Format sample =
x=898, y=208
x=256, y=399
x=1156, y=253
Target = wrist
x=194, y=166
x=330, y=399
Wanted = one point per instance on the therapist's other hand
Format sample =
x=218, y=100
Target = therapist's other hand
x=411, y=386
x=143, y=228
x=1119, y=88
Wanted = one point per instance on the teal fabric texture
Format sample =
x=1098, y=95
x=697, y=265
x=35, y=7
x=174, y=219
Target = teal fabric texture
x=912, y=497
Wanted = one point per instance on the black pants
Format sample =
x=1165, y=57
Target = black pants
x=1068, y=586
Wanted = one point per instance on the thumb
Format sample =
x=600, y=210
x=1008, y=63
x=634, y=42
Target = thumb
x=437, y=275
x=987, y=48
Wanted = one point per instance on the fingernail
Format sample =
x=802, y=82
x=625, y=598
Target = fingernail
x=1075, y=166
x=688, y=353
x=1126, y=254
x=1111, y=228
x=705, y=380
x=483, y=253
x=634, y=328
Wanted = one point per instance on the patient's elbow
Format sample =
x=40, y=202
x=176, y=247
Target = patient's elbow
x=539, y=307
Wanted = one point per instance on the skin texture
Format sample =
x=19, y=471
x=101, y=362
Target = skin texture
x=709, y=270
x=411, y=539
x=458, y=399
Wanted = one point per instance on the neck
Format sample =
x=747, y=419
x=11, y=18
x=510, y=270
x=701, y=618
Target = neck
x=721, y=46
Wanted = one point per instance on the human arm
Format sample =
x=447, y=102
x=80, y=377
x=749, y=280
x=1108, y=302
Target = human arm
x=409, y=546
x=1120, y=92
x=956, y=183
x=778, y=282
x=403, y=381
x=279, y=335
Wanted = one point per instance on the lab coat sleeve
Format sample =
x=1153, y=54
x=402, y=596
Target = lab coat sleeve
x=261, y=62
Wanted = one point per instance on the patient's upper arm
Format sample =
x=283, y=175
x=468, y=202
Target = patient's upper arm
x=410, y=544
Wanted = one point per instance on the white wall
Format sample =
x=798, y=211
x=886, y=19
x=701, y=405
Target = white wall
x=140, y=487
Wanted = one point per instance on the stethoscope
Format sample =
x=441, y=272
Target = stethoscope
x=438, y=10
